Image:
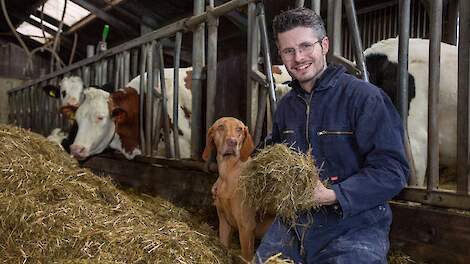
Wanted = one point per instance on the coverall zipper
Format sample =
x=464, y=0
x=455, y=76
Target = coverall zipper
x=307, y=112
x=325, y=133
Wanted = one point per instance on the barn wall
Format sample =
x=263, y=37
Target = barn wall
x=5, y=85
x=231, y=91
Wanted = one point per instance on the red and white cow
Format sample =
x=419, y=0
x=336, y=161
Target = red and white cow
x=382, y=59
x=112, y=119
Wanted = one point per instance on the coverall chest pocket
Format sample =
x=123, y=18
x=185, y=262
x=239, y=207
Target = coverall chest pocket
x=336, y=143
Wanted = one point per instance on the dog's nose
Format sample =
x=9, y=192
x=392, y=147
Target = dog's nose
x=231, y=142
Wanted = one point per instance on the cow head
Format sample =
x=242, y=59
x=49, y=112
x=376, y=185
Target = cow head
x=96, y=127
x=69, y=91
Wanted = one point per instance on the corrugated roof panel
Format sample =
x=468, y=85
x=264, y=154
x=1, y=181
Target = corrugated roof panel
x=73, y=14
x=33, y=32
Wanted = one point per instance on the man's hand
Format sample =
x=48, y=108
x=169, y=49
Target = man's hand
x=323, y=195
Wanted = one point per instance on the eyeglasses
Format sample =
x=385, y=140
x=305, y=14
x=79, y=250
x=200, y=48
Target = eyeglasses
x=305, y=47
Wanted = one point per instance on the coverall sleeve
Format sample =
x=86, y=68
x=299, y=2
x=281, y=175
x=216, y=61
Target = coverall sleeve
x=380, y=140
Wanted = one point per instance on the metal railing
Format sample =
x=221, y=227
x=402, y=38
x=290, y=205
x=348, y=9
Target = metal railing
x=31, y=108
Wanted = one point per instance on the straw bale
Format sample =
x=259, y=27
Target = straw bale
x=279, y=180
x=53, y=211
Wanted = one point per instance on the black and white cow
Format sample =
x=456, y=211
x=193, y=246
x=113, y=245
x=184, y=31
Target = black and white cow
x=382, y=64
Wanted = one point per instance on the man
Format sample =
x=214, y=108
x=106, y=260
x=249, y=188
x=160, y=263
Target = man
x=357, y=139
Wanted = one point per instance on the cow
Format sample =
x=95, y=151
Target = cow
x=381, y=60
x=111, y=119
x=70, y=93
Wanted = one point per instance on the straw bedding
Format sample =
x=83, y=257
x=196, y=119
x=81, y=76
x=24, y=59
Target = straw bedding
x=53, y=211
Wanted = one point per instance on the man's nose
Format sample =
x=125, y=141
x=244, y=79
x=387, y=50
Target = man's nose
x=298, y=55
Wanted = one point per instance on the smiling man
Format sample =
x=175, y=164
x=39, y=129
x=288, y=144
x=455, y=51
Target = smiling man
x=356, y=137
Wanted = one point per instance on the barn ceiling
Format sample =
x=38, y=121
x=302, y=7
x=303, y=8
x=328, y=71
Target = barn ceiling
x=127, y=19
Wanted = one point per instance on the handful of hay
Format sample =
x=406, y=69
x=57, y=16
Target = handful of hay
x=280, y=181
x=52, y=211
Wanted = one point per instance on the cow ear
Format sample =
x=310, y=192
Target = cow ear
x=52, y=90
x=248, y=145
x=68, y=111
x=209, y=144
x=119, y=115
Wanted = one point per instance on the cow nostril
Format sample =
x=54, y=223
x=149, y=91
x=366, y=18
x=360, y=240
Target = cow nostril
x=77, y=149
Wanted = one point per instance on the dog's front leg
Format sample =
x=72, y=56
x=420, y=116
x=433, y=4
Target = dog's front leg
x=247, y=241
x=225, y=230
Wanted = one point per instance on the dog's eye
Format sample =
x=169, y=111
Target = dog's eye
x=239, y=129
x=221, y=127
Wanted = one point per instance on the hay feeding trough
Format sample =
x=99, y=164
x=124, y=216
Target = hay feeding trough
x=280, y=181
x=53, y=211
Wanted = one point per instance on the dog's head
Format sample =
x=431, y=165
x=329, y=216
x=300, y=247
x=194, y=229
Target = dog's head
x=230, y=137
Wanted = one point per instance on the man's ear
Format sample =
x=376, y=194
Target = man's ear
x=325, y=45
x=119, y=115
x=52, y=90
x=248, y=145
x=68, y=111
x=209, y=145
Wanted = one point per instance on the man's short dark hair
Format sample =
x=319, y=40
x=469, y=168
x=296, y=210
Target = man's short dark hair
x=298, y=17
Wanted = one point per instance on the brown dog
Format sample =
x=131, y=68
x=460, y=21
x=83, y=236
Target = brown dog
x=234, y=145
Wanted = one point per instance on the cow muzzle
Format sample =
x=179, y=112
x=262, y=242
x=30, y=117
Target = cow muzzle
x=79, y=152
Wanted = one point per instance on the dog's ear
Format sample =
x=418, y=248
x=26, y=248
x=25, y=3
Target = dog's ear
x=248, y=145
x=209, y=145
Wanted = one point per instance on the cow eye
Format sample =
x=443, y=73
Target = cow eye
x=100, y=118
x=64, y=93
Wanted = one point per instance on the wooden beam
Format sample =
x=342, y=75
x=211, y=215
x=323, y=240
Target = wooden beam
x=113, y=21
x=430, y=234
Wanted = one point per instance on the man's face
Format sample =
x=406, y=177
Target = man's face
x=303, y=54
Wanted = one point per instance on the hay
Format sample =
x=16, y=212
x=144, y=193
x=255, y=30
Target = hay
x=52, y=211
x=277, y=259
x=396, y=256
x=280, y=180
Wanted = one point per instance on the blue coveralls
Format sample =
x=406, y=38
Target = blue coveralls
x=357, y=139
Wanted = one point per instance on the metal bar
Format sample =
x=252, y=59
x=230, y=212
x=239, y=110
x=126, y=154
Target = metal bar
x=116, y=71
x=267, y=59
x=166, y=120
x=403, y=40
x=403, y=59
x=462, y=98
x=212, y=26
x=252, y=61
x=148, y=100
x=316, y=6
x=354, y=28
x=143, y=62
x=134, y=62
x=260, y=116
x=299, y=3
x=184, y=25
x=126, y=63
x=198, y=64
x=433, y=94
x=176, y=84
